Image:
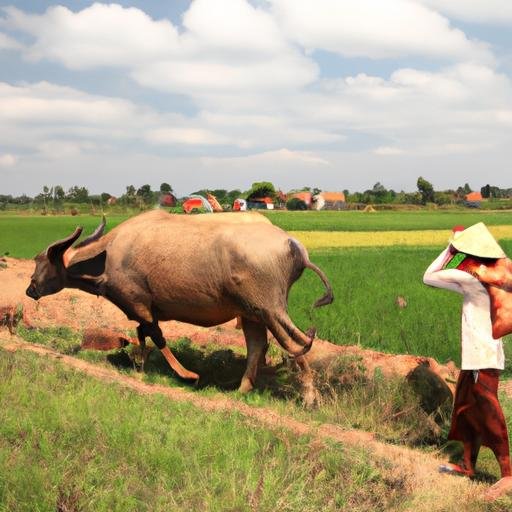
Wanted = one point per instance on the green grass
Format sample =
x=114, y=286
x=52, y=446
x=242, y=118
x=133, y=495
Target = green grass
x=355, y=403
x=366, y=283
x=384, y=220
x=68, y=442
x=88, y=445
x=26, y=236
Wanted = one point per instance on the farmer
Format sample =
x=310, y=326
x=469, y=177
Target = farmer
x=477, y=417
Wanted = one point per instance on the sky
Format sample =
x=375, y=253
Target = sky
x=334, y=94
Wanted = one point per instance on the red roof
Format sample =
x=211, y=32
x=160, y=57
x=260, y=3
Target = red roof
x=474, y=196
x=333, y=196
x=307, y=197
x=267, y=200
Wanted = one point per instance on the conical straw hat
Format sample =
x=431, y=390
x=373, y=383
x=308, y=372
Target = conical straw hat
x=478, y=241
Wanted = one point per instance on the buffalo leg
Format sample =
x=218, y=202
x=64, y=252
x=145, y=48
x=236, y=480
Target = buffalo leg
x=309, y=391
x=283, y=329
x=142, y=346
x=156, y=335
x=256, y=339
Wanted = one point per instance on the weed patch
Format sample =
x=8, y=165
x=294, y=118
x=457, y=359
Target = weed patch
x=86, y=445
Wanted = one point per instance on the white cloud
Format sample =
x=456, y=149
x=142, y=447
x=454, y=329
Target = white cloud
x=63, y=149
x=225, y=46
x=496, y=12
x=417, y=111
x=55, y=121
x=8, y=160
x=375, y=29
x=8, y=43
x=233, y=26
x=388, y=151
x=100, y=35
x=282, y=157
x=188, y=136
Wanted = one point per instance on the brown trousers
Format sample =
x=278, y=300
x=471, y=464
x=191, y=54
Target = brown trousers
x=477, y=414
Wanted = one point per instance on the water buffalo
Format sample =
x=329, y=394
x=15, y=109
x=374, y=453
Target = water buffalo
x=204, y=270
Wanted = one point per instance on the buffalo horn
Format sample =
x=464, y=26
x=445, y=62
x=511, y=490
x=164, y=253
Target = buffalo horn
x=95, y=236
x=60, y=246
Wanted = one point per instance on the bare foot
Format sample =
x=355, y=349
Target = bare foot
x=499, y=489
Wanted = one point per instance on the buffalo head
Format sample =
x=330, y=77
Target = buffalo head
x=50, y=273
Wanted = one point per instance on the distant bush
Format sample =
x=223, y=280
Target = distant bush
x=296, y=204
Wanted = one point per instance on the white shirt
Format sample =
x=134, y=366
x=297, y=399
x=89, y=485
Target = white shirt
x=479, y=349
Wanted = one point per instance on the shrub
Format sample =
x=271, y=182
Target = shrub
x=296, y=204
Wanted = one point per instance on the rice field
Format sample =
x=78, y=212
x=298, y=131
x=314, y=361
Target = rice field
x=331, y=239
x=386, y=220
x=24, y=236
x=367, y=269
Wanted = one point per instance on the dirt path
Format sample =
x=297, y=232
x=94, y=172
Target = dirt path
x=417, y=469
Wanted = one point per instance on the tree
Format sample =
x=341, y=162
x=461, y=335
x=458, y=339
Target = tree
x=426, y=190
x=58, y=193
x=486, y=191
x=261, y=189
x=145, y=194
x=128, y=198
x=232, y=195
x=165, y=188
x=78, y=194
x=379, y=192
x=44, y=197
x=105, y=196
x=58, y=197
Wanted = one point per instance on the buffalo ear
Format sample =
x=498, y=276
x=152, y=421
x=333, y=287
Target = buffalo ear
x=56, y=250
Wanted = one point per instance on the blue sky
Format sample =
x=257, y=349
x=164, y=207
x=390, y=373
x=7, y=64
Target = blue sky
x=332, y=94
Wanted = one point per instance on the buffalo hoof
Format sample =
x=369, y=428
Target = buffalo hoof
x=245, y=385
x=188, y=375
x=310, y=397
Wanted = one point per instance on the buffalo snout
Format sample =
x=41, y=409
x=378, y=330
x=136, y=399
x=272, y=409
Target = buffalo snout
x=32, y=292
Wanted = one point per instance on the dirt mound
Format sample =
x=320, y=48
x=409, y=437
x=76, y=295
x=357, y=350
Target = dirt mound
x=98, y=338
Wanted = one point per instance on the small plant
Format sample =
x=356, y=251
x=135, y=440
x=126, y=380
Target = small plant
x=296, y=204
x=62, y=339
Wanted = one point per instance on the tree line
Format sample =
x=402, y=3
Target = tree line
x=54, y=197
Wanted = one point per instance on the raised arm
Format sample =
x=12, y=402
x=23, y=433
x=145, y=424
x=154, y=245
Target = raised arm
x=449, y=279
